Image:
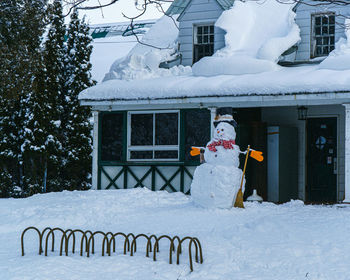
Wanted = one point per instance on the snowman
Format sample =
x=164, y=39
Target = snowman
x=217, y=181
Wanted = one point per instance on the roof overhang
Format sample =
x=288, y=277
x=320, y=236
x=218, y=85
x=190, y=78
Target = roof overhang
x=234, y=100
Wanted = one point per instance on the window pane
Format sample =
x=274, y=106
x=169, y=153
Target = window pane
x=141, y=129
x=199, y=39
x=324, y=29
x=331, y=19
x=325, y=40
x=319, y=40
x=325, y=50
x=212, y=29
x=332, y=40
x=318, y=30
x=331, y=30
x=112, y=137
x=211, y=38
x=141, y=155
x=205, y=30
x=319, y=50
x=199, y=30
x=166, y=154
x=317, y=20
x=197, y=131
x=325, y=20
x=166, y=129
x=205, y=39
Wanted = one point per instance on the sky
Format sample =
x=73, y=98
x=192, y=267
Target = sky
x=114, y=12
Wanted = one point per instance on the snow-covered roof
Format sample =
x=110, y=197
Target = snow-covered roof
x=284, y=81
x=246, y=66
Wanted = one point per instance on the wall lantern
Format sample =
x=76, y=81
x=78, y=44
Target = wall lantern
x=302, y=113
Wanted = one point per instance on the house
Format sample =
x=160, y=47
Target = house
x=293, y=106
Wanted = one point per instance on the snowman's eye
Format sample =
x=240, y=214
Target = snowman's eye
x=222, y=129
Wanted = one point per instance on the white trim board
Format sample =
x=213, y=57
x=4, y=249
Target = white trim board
x=239, y=101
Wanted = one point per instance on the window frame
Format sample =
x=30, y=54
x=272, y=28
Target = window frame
x=194, y=39
x=153, y=147
x=313, y=36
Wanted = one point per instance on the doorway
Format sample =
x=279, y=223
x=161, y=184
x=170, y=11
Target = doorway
x=321, y=160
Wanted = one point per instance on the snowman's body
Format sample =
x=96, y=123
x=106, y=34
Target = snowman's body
x=217, y=181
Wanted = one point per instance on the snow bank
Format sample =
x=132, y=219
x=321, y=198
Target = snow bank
x=104, y=49
x=263, y=241
x=339, y=58
x=257, y=33
x=142, y=62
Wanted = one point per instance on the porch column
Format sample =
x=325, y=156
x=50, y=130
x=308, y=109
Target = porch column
x=347, y=153
x=95, y=151
x=212, y=118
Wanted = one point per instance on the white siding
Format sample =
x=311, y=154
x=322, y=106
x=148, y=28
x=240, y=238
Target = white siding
x=303, y=19
x=287, y=116
x=198, y=12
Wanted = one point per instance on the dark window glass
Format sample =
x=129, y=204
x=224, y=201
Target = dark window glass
x=205, y=30
x=325, y=40
x=325, y=30
x=165, y=154
x=331, y=19
x=197, y=131
x=141, y=155
x=319, y=50
x=318, y=21
x=141, y=129
x=112, y=137
x=166, y=129
x=318, y=30
x=325, y=20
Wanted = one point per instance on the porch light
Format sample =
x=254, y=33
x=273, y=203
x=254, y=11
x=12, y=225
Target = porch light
x=302, y=113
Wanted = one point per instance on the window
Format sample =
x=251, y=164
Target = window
x=323, y=31
x=153, y=136
x=203, y=41
x=197, y=130
x=112, y=136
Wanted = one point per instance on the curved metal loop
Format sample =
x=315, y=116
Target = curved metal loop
x=40, y=239
x=88, y=237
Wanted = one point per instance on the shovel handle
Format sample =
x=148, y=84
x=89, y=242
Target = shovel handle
x=245, y=166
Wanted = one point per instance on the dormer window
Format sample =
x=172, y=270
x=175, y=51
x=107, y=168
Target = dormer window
x=203, y=43
x=323, y=34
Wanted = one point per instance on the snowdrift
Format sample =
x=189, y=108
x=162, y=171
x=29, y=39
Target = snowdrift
x=257, y=33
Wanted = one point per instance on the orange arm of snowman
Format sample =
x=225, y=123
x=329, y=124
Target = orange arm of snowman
x=195, y=151
x=257, y=155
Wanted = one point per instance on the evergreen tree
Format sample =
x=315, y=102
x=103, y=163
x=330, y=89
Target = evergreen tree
x=21, y=28
x=48, y=105
x=78, y=143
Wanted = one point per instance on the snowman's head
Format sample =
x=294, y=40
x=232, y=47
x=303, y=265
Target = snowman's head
x=225, y=131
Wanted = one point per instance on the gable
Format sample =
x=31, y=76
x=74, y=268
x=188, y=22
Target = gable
x=223, y=4
x=177, y=7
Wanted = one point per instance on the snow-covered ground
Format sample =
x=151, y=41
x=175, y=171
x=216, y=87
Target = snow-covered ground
x=262, y=241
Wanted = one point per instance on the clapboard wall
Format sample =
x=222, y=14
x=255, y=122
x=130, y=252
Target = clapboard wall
x=303, y=19
x=198, y=12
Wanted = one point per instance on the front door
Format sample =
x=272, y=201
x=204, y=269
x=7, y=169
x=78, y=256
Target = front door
x=321, y=160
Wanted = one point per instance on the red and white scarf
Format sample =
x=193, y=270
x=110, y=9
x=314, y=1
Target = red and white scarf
x=227, y=144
